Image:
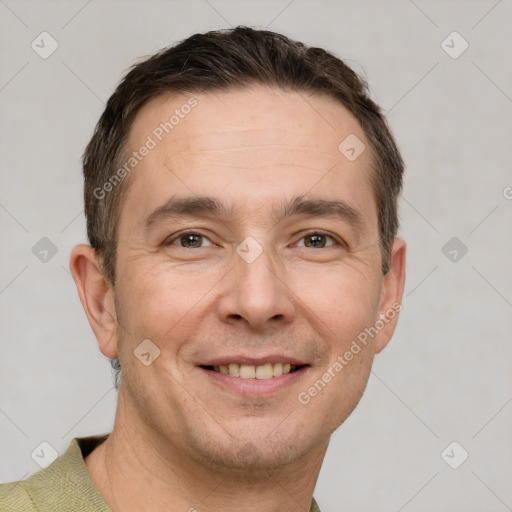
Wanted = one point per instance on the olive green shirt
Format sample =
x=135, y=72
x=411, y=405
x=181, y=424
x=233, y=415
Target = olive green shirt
x=64, y=486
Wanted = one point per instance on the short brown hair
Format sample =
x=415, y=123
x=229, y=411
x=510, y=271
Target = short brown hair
x=221, y=60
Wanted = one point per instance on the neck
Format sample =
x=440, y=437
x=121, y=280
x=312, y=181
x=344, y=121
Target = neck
x=136, y=470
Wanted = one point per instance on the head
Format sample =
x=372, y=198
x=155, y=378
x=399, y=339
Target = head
x=228, y=223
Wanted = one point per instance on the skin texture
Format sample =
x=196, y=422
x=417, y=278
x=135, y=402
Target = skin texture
x=182, y=439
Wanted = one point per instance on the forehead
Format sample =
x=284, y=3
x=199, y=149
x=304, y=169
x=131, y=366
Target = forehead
x=237, y=115
x=253, y=143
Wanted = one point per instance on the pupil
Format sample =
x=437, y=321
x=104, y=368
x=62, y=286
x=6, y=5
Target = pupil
x=315, y=241
x=191, y=240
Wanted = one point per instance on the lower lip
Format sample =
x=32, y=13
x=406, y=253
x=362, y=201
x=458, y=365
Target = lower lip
x=256, y=387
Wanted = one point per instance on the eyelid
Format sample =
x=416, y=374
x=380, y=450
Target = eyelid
x=176, y=236
x=334, y=238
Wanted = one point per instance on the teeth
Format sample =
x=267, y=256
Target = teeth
x=264, y=372
x=234, y=370
x=249, y=371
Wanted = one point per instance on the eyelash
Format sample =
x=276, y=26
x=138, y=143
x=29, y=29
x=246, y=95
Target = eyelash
x=317, y=232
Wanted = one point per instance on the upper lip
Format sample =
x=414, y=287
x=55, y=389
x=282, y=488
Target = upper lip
x=256, y=361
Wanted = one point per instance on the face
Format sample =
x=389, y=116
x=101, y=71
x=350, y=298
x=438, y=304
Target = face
x=248, y=255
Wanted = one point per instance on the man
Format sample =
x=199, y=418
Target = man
x=241, y=202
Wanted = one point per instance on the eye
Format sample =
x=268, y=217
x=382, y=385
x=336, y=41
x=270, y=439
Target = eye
x=189, y=240
x=316, y=240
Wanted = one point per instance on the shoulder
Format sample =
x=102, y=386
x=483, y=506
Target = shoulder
x=64, y=485
x=15, y=498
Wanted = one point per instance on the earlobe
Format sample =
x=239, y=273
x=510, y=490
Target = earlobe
x=392, y=292
x=97, y=297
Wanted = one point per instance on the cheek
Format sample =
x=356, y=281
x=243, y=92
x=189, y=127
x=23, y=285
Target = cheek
x=160, y=301
x=342, y=300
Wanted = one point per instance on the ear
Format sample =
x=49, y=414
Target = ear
x=97, y=297
x=392, y=292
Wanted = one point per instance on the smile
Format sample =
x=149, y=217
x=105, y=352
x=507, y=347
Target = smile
x=252, y=376
x=248, y=371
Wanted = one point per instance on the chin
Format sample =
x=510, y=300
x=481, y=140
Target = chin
x=258, y=451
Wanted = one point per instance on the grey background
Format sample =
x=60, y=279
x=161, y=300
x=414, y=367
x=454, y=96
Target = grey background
x=447, y=374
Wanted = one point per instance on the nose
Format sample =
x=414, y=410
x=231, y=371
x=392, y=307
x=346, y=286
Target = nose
x=256, y=294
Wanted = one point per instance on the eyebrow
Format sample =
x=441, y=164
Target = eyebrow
x=319, y=208
x=199, y=206
x=204, y=206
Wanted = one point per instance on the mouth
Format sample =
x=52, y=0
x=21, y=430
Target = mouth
x=263, y=371
x=250, y=377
